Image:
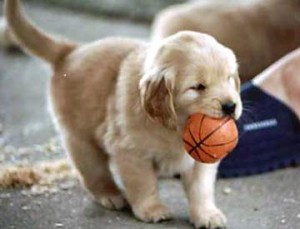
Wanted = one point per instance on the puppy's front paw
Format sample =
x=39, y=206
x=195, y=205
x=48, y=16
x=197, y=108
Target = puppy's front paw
x=209, y=218
x=111, y=202
x=153, y=213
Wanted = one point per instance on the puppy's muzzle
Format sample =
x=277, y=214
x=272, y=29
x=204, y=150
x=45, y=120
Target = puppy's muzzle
x=228, y=108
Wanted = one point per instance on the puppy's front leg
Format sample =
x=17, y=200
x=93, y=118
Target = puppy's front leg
x=141, y=188
x=199, y=185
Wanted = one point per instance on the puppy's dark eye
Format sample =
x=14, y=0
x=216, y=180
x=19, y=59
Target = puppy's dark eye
x=199, y=87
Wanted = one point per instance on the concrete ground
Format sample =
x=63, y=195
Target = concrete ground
x=134, y=9
x=270, y=201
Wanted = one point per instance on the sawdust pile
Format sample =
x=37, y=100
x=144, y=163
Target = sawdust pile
x=36, y=169
x=52, y=149
x=14, y=177
x=40, y=177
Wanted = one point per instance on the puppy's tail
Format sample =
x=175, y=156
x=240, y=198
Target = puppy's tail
x=31, y=38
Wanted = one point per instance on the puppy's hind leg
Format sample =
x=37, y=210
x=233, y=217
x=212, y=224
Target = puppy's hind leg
x=93, y=165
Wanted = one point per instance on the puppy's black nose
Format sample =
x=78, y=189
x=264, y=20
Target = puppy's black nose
x=228, y=108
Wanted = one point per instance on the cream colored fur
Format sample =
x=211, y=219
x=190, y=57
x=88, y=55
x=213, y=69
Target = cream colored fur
x=259, y=32
x=125, y=101
x=282, y=80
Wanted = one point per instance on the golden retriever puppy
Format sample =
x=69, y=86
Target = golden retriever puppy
x=259, y=32
x=125, y=101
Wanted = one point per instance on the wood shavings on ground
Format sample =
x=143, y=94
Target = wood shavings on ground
x=59, y=225
x=14, y=177
x=42, y=177
x=50, y=149
x=227, y=191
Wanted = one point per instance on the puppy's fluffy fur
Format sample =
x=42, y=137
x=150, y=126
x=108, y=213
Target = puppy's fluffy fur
x=125, y=101
x=259, y=32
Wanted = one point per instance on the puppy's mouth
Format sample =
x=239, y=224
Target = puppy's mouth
x=213, y=114
x=218, y=114
x=218, y=111
x=233, y=116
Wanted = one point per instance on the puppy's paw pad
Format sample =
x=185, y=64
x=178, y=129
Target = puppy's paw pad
x=209, y=219
x=112, y=202
x=154, y=213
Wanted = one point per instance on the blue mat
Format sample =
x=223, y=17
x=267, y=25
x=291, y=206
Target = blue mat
x=269, y=136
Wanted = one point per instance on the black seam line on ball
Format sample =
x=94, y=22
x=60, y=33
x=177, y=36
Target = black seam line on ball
x=221, y=144
x=207, y=136
x=199, y=146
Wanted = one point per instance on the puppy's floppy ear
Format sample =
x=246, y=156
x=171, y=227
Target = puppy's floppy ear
x=156, y=90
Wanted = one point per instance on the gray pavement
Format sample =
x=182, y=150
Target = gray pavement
x=270, y=201
x=134, y=9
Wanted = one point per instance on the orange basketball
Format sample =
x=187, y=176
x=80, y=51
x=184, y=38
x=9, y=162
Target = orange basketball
x=207, y=139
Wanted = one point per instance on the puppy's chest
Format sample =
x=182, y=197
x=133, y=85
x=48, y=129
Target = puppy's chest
x=167, y=153
x=172, y=162
x=172, y=159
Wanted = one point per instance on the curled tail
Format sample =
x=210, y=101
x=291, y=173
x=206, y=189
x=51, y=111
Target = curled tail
x=33, y=39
